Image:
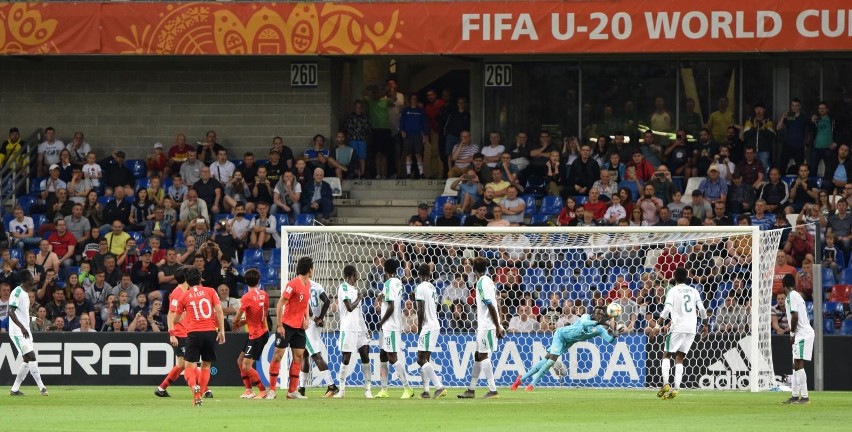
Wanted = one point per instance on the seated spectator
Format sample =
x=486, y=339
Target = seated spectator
x=462, y=156
x=629, y=309
x=409, y=318
x=741, y=196
x=190, y=170
x=663, y=185
x=222, y=169
x=460, y=319
x=209, y=190
x=239, y=227
x=688, y=215
x=523, y=322
x=209, y=148
x=595, y=204
x=701, y=208
x=550, y=315
x=498, y=220
x=714, y=188
x=166, y=275
x=157, y=162
x=191, y=210
x=477, y=216
x=652, y=326
x=86, y=325
x=56, y=305
x=264, y=229
x=144, y=274
x=141, y=324
x=141, y=211
x=72, y=321
x=347, y=160
x=58, y=325
x=128, y=257
x=61, y=207
x=469, y=189
x=316, y=196
x=776, y=192
x=79, y=186
x=781, y=268
x=237, y=192
x=606, y=185
x=422, y=217
x=570, y=213
x=156, y=193
x=800, y=243
x=287, y=195
x=51, y=185
x=179, y=153
x=570, y=314
x=158, y=228
x=230, y=305
x=650, y=205
x=514, y=249
x=513, y=207
x=615, y=212
x=62, y=243
x=805, y=278
x=732, y=317
x=177, y=191
x=668, y=261
x=22, y=230
x=118, y=209
x=46, y=257
x=780, y=326
x=111, y=271
x=40, y=323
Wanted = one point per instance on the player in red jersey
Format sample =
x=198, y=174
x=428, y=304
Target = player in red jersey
x=179, y=332
x=254, y=306
x=205, y=326
x=293, y=319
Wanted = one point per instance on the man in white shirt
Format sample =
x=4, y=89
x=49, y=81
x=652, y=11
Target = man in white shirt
x=493, y=150
x=79, y=149
x=222, y=169
x=523, y=322
x=48, y=151
x=22, y=229
x=353, y=331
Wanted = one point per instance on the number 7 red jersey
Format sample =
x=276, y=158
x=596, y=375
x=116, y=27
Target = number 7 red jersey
x=199, y=302
x=255, y=305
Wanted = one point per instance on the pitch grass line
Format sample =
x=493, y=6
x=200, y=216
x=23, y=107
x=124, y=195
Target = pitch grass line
x=137, y=409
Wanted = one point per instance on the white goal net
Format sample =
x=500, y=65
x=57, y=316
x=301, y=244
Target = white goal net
x=546, y=278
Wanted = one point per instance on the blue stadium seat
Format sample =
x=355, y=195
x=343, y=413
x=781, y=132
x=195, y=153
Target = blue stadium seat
x=27, y=202
x=69, y=271
x=142, y=183
x=846, y=276
x=539, y=219
x=38, y=220
x=828, y=326
x=251, y=216
x=253, y=257
x=833, y=310
x=46, y=234
x=280, y=219
x=35, y=185
x=220, y=217
x=827, y=279
x=104, y=200
x=678, y=182
x=305, y=219
x=580, y=199
x=139, y=236
x=529, y=210
x=551, y=205
x=438, y=209
x=789, y=179
x=269, y=276
x=179, y=242
x=167, y=183
x=275, y=257
x=846, y=327
x=137, y=167
x=536, y=186
x=8, y=218
x=15, y=253
x=810, y=308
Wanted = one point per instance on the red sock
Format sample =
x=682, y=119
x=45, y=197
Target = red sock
x=254, y=378
x=171, y=377
x=204, y=380
x=191, y=377
x=246, y=381
x=274, y=368
x=295, y=368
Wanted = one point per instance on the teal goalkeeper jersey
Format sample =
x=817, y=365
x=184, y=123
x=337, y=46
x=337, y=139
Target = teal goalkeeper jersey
x=584, y=329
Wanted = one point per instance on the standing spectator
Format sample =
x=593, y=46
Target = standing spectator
x=540, y=155
x=116, y=175
x=248, y=169
x=840, y=225
x=824, y=139
x=838, y=169
x=12, y=147
x=381, y=139
x=237, y=192
x=720, y=120
x=740, y=195
x=701, y=208
x=668, y=261
x=358, y=128
x=794, y=128
x=48, y=151
x=433, y=151
x=584, y=173
x=458, y=123
x=263, y=228
x=179, y=153
x=414, y=130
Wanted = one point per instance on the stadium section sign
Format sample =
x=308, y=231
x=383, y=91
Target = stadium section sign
x=513, y=27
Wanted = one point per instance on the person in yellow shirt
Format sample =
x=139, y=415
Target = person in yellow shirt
x=720, y=120
x=12, y=147
x=117, y=238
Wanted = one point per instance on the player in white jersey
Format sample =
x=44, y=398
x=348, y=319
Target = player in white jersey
x=19, y=324
x=353, y=331
x=488, y=330
x=801, y=338
x=684, y=304
x=391, y=325
x=426, y=296
x=318, y=305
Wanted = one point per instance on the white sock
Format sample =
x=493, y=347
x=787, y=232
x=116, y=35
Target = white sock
x=424, y=378
x=420, y=168
x=22, y=375
x=488, y=368
x=430, y=371
x=325, y=378
x=408, y=167
x=474, y=376
x=802, y=381
x=368, y=379
x=666, y=367
x=341, y=376
x=678, y=375
x=36, y=374
x=794, y=383
x=399, y=367
x=383, y=374
x=303, y=379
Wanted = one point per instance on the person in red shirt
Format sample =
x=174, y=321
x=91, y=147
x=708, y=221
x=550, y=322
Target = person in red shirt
x=253, y=308
x=178, y=331
x=595, y=205
x=63, y=243
x=669, y=261
x=178, y=153
x=205, y=326
x=644, y=169
x=293, y=319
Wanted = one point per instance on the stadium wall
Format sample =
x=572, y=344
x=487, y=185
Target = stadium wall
x=143, y=359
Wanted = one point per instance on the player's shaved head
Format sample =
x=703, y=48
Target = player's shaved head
x=680, y=275
x=391, y=265
x=424, y=271
x=349, y=271
x=193, y=276
x=480, y=264
x=304, y=265
x=252, y=277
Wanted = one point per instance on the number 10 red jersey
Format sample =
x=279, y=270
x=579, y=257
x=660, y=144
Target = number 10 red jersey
x=199, y=302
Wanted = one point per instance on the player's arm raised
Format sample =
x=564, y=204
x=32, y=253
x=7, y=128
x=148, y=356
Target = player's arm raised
x=326, y=302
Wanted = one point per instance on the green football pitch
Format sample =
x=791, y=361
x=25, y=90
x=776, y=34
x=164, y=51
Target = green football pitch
x=137, y=409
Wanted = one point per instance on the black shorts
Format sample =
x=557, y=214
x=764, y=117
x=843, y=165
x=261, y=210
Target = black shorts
x=293, y=337
x=180, y=349
x=254, y=347
x=382, y=141
x=200, y=346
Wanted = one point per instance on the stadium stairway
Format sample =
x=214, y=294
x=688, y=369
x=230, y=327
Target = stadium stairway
x=383, y=202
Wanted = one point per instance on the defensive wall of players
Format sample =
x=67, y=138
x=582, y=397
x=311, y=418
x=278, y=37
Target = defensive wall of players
x=143, y=359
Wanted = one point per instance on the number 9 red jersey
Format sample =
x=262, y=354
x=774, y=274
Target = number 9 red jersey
x=199, y=302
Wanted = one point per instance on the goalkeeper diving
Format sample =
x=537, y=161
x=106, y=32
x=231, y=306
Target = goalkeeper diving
x=584, y=329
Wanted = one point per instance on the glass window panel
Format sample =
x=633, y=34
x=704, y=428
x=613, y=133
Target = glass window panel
x=804, y=83
x=706, y=82
x=837, y=92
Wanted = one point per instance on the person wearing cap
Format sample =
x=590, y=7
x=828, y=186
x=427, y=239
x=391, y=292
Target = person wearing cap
x=12, y=147
x=158, y=162
x=776, y=192
x=145, y=275
x=50, y=185
x=422, y=216
x=759, y=132
x=179, y=153
x=48, y=151
x=713, y=187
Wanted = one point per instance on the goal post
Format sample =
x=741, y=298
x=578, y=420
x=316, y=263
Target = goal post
x=546, y=277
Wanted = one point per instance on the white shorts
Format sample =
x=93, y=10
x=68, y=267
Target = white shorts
x=803, y=349
x=428, y=340
x=350, y=341
x=314, y=342
x=679, y=342
x=24, y=345
x=392, y=341
x=486, y=341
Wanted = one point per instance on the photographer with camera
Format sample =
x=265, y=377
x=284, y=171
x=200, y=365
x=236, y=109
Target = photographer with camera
x=237, y=191
x=198, y=228
x=794, y=128
x=144, y=274
x=469, y=188
x=286, y=196
x=224, y=239
x=129, y=257
x=663, y=185
x=759, y=132
x=262, y=191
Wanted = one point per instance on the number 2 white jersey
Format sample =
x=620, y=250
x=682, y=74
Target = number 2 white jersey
x=21, y=301
x=428, y=294
x=486, y=293
x=349, y=321
x=316, y=303
x=392, y=292
x=684, y=304
x=795, y=303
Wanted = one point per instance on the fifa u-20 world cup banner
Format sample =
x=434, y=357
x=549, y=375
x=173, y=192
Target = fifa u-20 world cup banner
x=512, y=27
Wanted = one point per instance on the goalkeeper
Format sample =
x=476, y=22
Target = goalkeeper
x=584, y=329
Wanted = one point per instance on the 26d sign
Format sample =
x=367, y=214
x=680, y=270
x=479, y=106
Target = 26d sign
x=303, y=75
x=498, y=75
